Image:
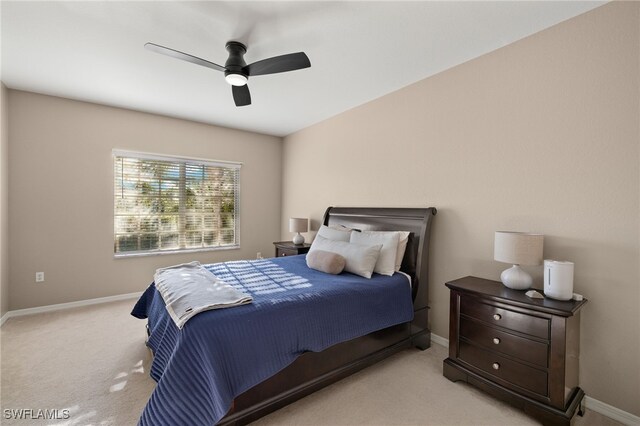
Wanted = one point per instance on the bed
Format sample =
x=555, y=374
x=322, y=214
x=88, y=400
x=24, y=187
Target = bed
x=232, y=366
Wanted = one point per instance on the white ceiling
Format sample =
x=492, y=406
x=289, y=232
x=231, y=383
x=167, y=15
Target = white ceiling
x=359, y=51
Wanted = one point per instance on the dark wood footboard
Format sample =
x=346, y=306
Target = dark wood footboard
x=314, y=370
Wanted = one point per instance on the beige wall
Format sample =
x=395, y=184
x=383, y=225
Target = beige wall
x=541, y=135
x=61, y=190
x=4, y=200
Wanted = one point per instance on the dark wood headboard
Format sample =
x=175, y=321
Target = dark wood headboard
x=415, y=220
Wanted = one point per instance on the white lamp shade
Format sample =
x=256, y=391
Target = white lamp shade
x=518, y=248
x=298, y=224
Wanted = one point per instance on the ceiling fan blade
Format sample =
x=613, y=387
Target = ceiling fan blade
x=241, y=95
x=184, y=56
x=283, y=63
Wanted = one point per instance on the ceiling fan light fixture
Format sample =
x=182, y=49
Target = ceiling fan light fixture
x=236, y=71
x=236, y=79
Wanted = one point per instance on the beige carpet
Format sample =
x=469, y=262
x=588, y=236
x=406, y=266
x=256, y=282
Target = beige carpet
x=93, y=362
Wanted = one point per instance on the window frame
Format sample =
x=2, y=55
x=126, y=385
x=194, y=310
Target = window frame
x=175, y=159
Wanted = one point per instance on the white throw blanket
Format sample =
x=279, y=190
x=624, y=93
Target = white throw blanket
x=189, y=288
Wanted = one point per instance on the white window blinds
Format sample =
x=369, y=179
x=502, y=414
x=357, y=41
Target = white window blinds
x=169, y=204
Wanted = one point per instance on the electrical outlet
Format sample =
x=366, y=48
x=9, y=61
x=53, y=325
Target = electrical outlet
x=39, y=277
x=259, y=255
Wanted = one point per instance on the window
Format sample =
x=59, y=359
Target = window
x=164, y=204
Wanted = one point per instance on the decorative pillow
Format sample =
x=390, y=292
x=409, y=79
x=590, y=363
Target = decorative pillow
x=359, y=259
x=334, y=234
x=386, y=263
x=325, y=261
x=402, y=247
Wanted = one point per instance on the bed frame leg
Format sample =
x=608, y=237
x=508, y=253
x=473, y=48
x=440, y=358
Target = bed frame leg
x=421, y=341
x=419, y=329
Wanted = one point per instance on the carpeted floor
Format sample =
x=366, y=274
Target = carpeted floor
x=92, y=361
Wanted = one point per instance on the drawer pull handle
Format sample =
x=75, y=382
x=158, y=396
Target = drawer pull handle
x=496, y=341
x=497, y=317
x=496, y=366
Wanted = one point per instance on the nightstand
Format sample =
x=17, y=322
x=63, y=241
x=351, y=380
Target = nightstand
x=287, y=248
x=524, y=351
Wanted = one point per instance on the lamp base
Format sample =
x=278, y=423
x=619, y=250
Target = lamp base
x=516, y=278
x=298, y=239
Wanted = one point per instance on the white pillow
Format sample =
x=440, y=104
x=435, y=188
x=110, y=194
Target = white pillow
x=360, y=260
x=402, y=247
x=334, y=234
x=386, y=264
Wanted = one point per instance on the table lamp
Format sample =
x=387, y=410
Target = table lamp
x=517, y=248
x=298, y=224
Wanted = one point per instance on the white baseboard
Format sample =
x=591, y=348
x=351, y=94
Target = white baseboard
x=4, y=318
x=439, y=340
x=611, y=411
x=591, y=403
x=60, y=306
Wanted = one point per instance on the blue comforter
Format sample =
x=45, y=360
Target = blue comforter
x=222, y=353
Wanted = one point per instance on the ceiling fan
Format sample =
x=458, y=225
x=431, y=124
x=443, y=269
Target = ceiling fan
x=236, y=71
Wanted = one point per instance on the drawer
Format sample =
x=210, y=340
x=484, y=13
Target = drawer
x=513, y=372
x=523, y=323
x=286, y=252
x=505, y=343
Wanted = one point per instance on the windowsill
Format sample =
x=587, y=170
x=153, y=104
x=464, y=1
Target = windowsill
x=162, y=252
